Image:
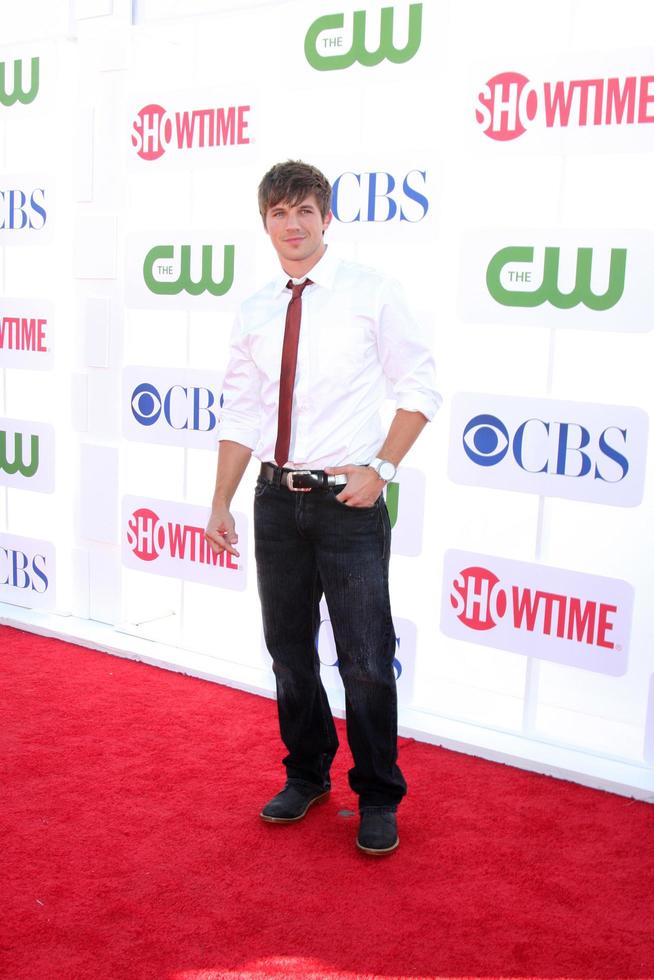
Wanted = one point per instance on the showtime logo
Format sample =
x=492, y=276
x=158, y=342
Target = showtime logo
x=25, y=334
x=509, y=103
x=154, y=130
x=535, y=610
x=480, y=602
x=149, y=537
x=166, y=538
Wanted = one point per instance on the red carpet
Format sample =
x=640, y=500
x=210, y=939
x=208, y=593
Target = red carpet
x=131, y=847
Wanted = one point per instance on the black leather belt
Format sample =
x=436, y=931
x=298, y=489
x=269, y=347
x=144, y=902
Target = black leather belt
x=300, y=480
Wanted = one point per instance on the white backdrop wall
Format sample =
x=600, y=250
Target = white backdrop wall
x=495, y=160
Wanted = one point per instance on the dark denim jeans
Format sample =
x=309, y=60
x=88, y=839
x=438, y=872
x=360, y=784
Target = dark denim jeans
x=308, y=544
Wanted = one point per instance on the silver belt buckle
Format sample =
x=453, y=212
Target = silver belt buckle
x=290, y=484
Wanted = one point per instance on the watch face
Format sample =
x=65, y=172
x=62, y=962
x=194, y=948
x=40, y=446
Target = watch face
x=386, y=470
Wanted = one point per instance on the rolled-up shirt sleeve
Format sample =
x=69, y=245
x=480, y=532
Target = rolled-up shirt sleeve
x=406, y=358
x=239, y=419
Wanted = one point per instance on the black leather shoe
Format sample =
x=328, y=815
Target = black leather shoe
x=292, y=803
x=378, y=830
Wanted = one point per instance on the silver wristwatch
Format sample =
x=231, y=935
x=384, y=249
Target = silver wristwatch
x=384, y=468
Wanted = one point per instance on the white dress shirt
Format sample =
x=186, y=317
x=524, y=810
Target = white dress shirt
x=356, y=337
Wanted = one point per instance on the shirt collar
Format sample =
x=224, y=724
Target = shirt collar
x=323, y=273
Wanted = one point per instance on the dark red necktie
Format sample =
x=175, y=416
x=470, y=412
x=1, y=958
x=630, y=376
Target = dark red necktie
x=287, y=373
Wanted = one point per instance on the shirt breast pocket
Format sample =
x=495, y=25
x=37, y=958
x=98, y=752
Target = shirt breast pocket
x=266, y=352
x=344, y=349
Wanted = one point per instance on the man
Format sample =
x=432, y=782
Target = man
x=308, y=408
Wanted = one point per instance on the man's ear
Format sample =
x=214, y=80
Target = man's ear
x=327, y=221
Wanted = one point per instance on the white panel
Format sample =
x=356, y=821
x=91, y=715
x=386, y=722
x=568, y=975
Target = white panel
x=97, y=326
x=95, y=247
x=79, y=397
x=52, y=18
x=83, y=156
x=151, y=470
x=648, y=748
x=160, y=336
x=104, y=405
x=93, y=8
x=81, y=600
x=98, y=515
x=105, y=579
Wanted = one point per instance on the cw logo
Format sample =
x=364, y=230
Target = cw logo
x=548, y=290
x=393, y=501
x=18, y=465
x=323, y=54
x=18, y=93
x=158, y=271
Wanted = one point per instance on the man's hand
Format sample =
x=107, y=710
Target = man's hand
x=363, y=485
x=221, y=533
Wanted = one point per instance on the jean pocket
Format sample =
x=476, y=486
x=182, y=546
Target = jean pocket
x=260, y=486
x=345, y=506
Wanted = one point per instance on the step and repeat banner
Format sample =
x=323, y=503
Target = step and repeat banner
x=499, y=169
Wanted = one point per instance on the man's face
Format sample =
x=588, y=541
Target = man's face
x=296, y=231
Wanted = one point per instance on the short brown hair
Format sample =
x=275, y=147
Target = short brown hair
x=292, y=182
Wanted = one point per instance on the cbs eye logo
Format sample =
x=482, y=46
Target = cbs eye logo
x=146, y=404
x=486, y=440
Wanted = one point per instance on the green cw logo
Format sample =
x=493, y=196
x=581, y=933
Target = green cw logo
x=18, y=93
x=327, y=54
x=392, y=501
x=18, y=465
x=159, y=270
x=515, y=293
